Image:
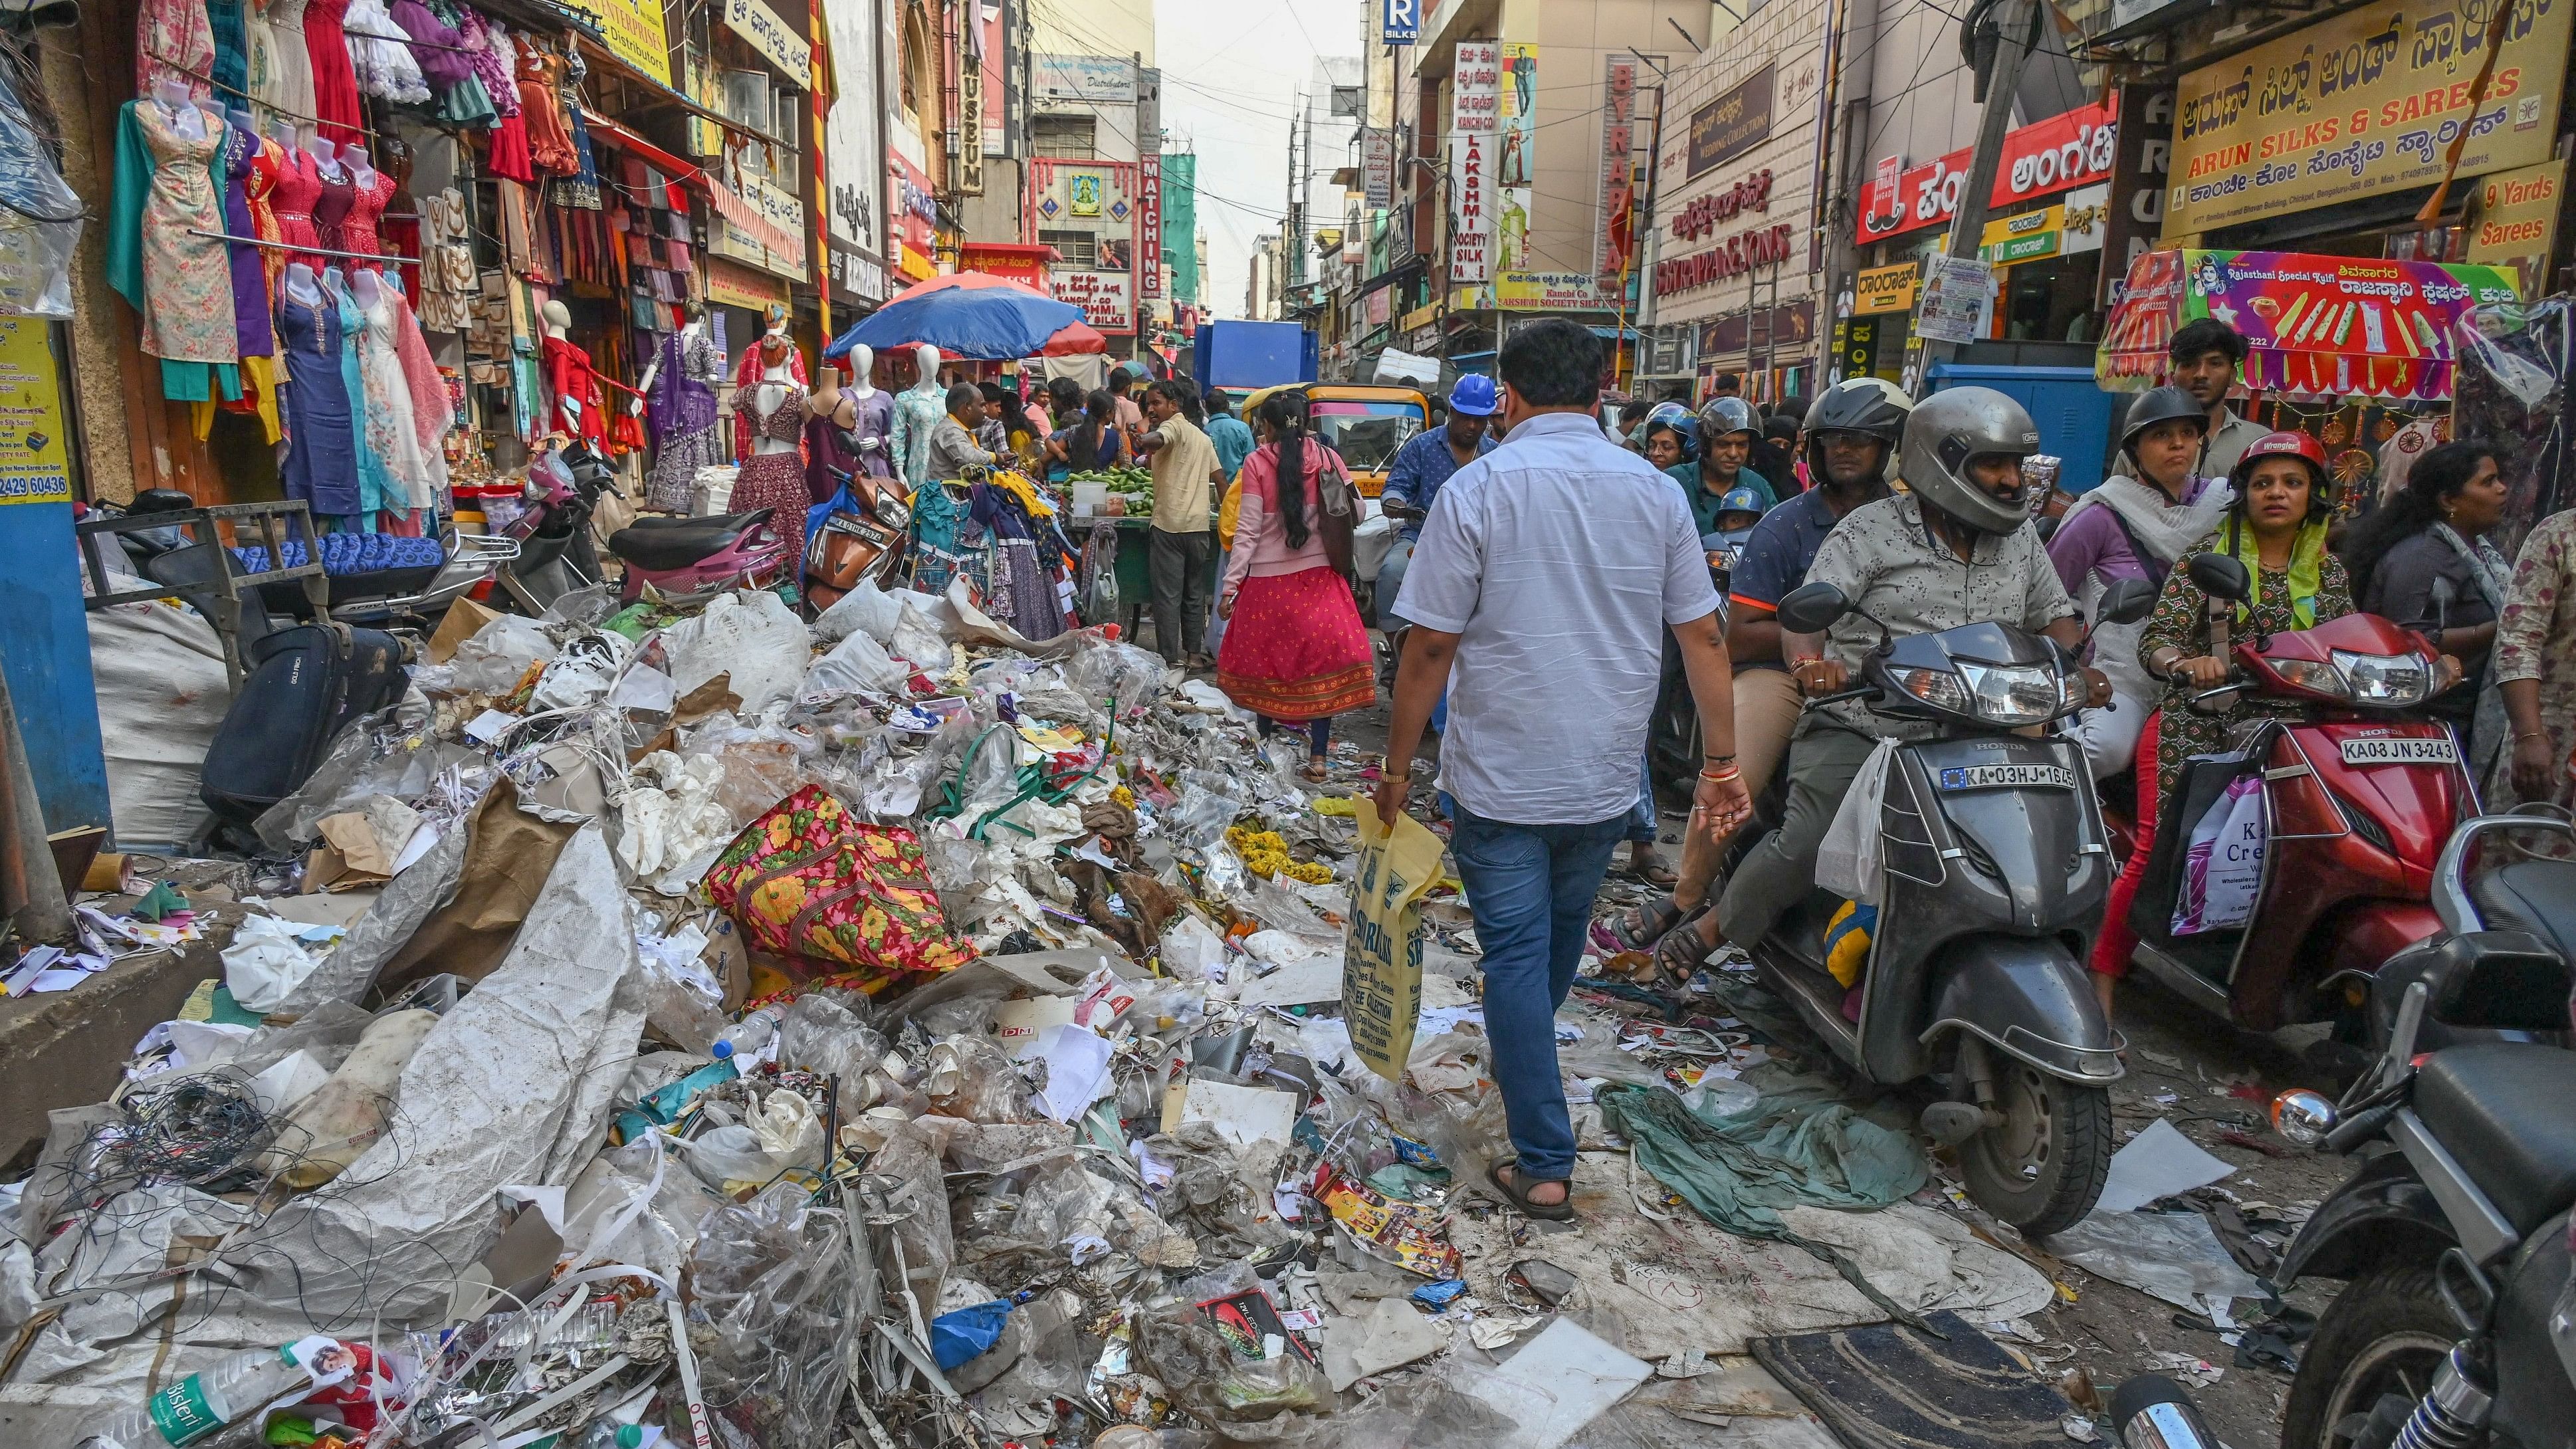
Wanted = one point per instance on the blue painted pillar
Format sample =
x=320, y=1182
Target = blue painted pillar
x=44, y=638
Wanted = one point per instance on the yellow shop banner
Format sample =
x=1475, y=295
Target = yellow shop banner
x=2366, y=102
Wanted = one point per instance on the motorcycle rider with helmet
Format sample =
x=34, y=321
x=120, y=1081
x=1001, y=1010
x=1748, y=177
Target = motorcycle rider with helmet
x=1414, y=476
x=1954, y=550
x=1669, y=437
x=1852, y=430
x=1727, y=430
x=2137, y=525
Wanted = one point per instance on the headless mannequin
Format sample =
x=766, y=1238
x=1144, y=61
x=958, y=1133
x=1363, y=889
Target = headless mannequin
x=186, y=114
x=558, y=321
x=356, y=160
x=364, y=291
x=302, y=285
x=917, y=412
x=776, y=382
x=326, y=157
x=283, y=133
x=863, y=414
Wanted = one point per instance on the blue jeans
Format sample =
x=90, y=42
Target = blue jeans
x=1530, y=889
x=1641, y=816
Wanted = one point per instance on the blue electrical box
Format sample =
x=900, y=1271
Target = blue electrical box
x=2068, y=404
x=1253, y=354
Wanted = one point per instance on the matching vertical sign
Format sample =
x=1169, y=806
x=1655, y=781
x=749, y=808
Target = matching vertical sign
x=1474, y=127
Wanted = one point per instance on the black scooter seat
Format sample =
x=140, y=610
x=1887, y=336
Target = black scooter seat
x=2501, y=1110
x=676, y=543
x=2538, y=896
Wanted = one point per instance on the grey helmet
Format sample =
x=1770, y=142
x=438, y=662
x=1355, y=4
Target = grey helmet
x=2167, y=404
x=1871, y=406
x=1946, y=431
x=1720, y=416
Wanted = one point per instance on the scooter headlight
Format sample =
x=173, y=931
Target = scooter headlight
x=2317, y=678
x=2013, y=694
x=1938, y=688
x=2388, y=680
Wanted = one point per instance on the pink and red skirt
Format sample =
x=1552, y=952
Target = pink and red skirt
x=1294, y=649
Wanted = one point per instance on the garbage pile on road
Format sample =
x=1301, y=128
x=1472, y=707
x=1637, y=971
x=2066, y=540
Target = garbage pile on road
x=892, y=1031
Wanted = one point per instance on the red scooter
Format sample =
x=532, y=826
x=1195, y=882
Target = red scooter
x=2359, y=790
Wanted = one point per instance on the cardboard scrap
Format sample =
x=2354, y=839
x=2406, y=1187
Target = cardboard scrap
x=1382, y=952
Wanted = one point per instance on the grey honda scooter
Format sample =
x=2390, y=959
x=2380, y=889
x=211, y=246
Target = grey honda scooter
x=1996, y=866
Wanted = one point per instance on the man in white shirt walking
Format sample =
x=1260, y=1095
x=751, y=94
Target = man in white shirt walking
x=1547, y=573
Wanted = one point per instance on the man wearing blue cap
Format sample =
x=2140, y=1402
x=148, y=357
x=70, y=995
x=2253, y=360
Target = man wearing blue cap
x=1420, y=467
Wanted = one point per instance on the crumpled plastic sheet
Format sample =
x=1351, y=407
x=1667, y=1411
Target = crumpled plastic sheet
x=1209, y=803
x=2173, y=1256
x=1205, y=1375
x=391, y=752
x=1121, y=675
x=772, y=1282
x=387, y=926
x=514, y=1085
x=1422, y=1414
x=858, y=663
x=866, y=610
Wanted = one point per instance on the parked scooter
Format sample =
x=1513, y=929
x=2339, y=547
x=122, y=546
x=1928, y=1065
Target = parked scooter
x=1996, y=868
x=2360, y=791
x=687, y=560
x=2457, y=1323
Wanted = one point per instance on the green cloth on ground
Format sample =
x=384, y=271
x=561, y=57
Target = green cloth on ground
x=1797, y=1148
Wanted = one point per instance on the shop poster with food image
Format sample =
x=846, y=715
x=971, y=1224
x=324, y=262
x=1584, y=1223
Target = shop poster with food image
x=2317, y=326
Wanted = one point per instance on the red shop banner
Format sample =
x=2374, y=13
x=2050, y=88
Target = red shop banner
x=2041, y=159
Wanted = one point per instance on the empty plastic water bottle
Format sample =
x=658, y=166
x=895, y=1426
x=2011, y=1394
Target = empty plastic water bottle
x=202, y=1403
x=749, y=1037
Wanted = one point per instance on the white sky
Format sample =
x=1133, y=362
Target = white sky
x=1230, y=75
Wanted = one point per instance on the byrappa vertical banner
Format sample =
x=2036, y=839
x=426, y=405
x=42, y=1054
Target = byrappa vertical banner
x=1614, y=237
x=1517, y=166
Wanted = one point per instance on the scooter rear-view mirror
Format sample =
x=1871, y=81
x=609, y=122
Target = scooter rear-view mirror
x=1812, y=608
x=2220, y=577
x=2126, y=601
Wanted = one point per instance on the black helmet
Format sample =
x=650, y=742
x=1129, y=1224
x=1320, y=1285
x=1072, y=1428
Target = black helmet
x=1869, y=405
x=2165, y=404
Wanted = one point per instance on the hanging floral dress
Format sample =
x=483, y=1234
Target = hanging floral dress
x=174, y=41
x=187, y=298
x=391, y=428
x=683, y=416
x=281, y=68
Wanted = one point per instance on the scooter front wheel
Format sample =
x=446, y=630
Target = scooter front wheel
x=2041, y=1168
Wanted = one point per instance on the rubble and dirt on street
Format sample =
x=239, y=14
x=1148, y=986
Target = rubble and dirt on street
x=715, y=1031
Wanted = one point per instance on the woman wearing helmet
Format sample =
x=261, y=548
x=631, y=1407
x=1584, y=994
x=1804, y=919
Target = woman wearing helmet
x=2275, y=524
x=2137, y=525
x=1727, y=431
x=1670, y=436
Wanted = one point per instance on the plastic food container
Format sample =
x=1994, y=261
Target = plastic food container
x=1088, y=497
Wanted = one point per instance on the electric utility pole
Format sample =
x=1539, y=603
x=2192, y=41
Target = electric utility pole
x=2016, y=30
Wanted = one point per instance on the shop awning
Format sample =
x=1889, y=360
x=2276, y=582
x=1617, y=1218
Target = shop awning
x=2317, y=326
x=686, y=172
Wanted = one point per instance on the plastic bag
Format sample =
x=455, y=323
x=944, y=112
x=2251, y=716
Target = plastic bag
x=498, y=655
x=2222, y=869
x=1847, y=863
x=972, y=1078
x=858, y=663
x=1209, y=803
x=866, y=610
x=917, y=639
x=751, y=637
x=1123, y=673
x=821, y=1035
x=772, y=1277
x=730, y=1156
